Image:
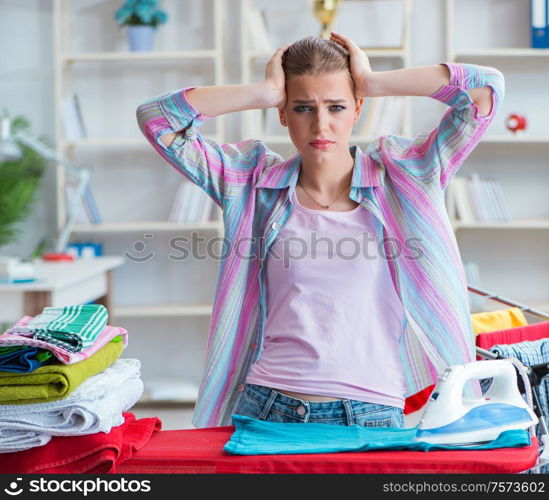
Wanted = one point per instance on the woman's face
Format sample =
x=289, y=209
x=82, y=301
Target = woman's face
x=320, y=107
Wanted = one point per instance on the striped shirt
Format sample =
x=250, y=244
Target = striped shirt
x=400, y=180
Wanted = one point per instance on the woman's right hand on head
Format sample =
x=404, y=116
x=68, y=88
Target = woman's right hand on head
x=275, y=79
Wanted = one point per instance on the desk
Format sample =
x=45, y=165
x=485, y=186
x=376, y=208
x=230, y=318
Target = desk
x=60, y=284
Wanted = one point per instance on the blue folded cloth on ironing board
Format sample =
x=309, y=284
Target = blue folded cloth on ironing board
x=258, y=437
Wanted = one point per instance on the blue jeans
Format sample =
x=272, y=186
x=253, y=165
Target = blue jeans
x=268, y=404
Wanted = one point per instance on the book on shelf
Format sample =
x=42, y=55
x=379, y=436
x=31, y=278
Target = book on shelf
x=257, y=121
x=91, y=206
x=477, y=199
x=472, y=275
x=86, y=209
x=191, y=204
x=371, y=112
x=271, y=122
x=384, y=116
x=458, y=191
x=539, y=10
x=382, y=123
x=397, y=124
x=259, y=37
x=73, y=122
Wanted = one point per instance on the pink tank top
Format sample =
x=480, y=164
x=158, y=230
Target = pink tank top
x=334, y=319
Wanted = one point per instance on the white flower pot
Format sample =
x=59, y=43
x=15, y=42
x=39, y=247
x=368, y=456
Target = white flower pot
x=140, y=38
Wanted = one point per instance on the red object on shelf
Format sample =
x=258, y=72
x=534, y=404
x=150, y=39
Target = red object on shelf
x=57, y=257
x=516, y=122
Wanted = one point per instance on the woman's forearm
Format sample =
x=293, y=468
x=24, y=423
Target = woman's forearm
x=419, y=81
x=222, y=99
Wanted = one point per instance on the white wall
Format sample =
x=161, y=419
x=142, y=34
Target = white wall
x=26, y=88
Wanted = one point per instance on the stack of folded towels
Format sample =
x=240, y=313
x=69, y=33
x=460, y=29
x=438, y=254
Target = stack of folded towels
x=61, y=375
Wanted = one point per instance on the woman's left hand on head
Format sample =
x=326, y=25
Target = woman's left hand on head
x=361, y=71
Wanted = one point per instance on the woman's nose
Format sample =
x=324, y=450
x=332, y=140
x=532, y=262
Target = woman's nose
x=321, y=121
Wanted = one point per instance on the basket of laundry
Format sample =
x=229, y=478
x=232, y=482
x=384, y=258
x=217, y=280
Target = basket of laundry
x=503, y=432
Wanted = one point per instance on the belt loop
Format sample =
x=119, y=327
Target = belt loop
x=268, y=404
x=307, y=415
x=348, y=411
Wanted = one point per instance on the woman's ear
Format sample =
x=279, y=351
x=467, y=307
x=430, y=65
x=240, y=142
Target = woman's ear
x=282, y=116
x=358, y=108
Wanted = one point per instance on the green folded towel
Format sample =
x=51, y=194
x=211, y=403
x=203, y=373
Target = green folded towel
x=54, y=382
x=72, y=327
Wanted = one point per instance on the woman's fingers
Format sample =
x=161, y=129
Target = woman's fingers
x=274, y=74
x=344, y=40
x=359, y=62
x=281, y=50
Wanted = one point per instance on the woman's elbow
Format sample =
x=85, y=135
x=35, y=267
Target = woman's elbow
x=482, y=97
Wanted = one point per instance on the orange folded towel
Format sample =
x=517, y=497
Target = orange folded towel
x=498, y=320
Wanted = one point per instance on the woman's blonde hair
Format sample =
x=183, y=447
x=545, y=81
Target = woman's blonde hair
x=316, y=56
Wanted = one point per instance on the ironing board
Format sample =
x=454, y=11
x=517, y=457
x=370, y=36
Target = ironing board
x=200, y=451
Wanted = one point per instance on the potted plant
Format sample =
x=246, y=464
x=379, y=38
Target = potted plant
x=19, y=183
x=142, y=17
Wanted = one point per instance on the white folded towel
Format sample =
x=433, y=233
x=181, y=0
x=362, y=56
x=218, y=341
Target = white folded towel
x=19, y=440
x=95, y=406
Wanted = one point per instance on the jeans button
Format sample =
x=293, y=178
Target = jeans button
x=240, y=387
x=301, y=410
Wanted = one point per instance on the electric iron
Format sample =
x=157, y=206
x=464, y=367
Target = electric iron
x=449, y=418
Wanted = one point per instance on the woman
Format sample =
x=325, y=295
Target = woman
x=326, y=337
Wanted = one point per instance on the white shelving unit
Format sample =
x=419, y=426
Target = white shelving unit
x=114, y=142
x=254, y=120
x=533, y=145
x=515, y=224
x=520, y=139
x=511, y=52
x=132, y=227
x=176, y=310
x=66, y=59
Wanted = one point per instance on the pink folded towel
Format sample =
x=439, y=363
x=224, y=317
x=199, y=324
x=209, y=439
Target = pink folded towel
x=10, y=337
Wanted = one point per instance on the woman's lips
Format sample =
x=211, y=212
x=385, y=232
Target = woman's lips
x=321, y=144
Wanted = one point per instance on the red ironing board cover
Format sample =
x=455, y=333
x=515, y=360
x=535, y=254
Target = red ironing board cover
x=200, y=451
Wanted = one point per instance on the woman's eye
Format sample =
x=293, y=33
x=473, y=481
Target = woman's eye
x=335, y=107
